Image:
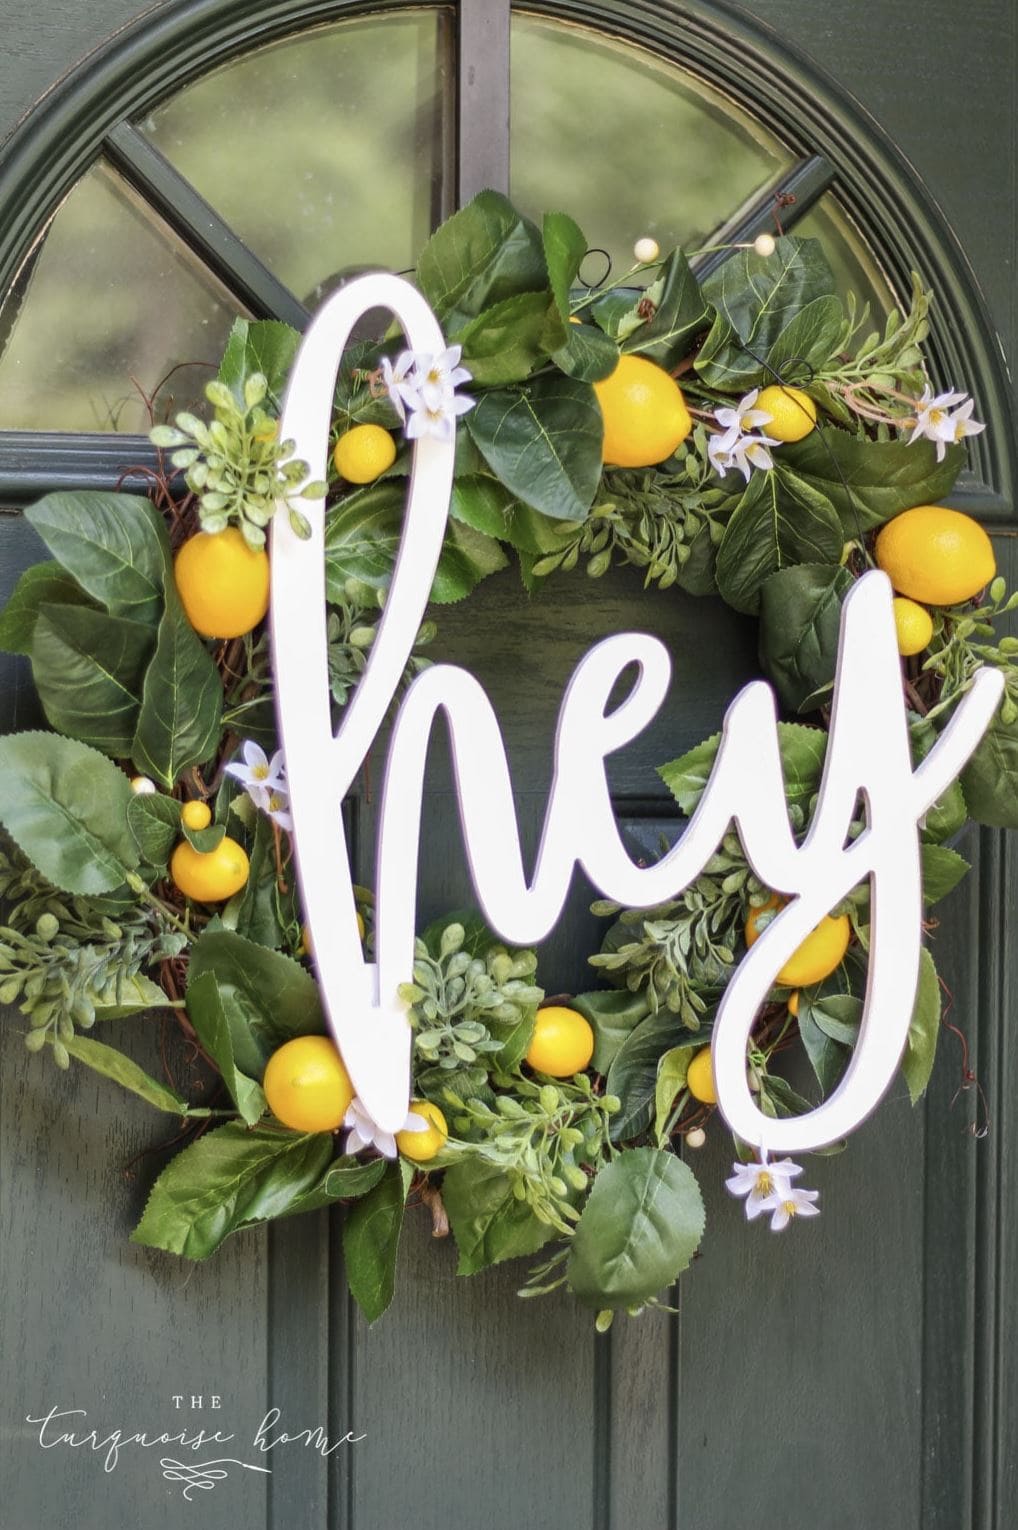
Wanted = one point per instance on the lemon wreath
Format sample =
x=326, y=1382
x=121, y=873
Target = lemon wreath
x=744, y=437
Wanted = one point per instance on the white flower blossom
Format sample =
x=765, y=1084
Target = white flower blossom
x=259, y=775
x=762, y=1182
x=962, y=423
x=435, y=414
x=741, y=452
x=277, y=807
x=364, y=1131
x=442, y=371
x=401, y=382
x=743, y=418
x=938, y=419
x=786, y=1204
x=422, y=387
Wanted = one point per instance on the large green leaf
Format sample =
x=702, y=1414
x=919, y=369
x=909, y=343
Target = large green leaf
x=565, y=245
x=486, y=505
x=800, y=623
x=182, y=702
x=780, y=520
x=544, y=443
x=487, y=1221
x=756, y=298
x=114, y=545
x=641, y=1226
x=362, y=537
x=990, y=779
x=44, y=584
x=613, y=1013
x=802, y=752
x=633, y=1073
x=89, y=669
x=507, y=341
x=588, y=353
x=671, y=1078
x=943, y=869
x=807, y=342
x=155, y=824
x=228, y=1179
x=259, y=345
x=481, y=255
x=66, y=806
x=267, y=997
x=921, y=1048
x=680, y=312
x=113, y=1064
x=866, y=481
x=207, y=1014
x=371, y=1241
x=345, y=1179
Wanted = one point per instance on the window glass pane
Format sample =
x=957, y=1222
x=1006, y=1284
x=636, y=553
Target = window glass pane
x=108, y=302
x=627, y=143
x=325, y=152
x=850, y=258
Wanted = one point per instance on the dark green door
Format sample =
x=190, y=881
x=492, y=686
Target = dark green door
x=858, y=1375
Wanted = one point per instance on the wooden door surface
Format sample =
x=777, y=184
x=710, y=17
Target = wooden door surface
x=860, y=1374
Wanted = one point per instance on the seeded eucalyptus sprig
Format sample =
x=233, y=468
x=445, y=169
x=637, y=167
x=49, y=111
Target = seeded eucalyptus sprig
x=352, y=627
x=958, y=650
x=236, y=465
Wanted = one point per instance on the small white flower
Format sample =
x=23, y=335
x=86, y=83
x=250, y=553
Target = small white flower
x=401, y=382
x=743, y=418
x=435, y=414
x=762, y=1183
x=258, y=775
x=277, y=807
x=962, y=423
x=741, y=452
x=442, y=371
x=364, y=1132
x=791, y=1203
x=934, y=420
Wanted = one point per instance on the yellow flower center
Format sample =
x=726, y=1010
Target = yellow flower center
x=790, y=1207
x=260, y=772
x=937, y=416
x=764, y=1183
x=276, y=803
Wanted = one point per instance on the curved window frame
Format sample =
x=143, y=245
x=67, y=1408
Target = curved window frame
x=840, y=149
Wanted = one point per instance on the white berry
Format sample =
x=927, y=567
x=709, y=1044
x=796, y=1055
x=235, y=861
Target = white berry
x=646, y=250
x=764, y=245
x=141, y=786
x=696, y=1138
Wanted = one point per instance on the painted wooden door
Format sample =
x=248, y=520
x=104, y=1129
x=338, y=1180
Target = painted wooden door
x=860, y=1374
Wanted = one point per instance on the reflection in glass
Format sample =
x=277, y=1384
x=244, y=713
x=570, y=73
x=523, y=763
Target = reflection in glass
x=326, y=152
x=627, y=143
x=107, y=304
x=850, y=258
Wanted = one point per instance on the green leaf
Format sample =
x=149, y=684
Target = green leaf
x=44, y=584
x=544, y=443
x=154, y=822
x=671, y=1078
x=613, y=1013
x=267, y=997
x=866, y=481
x=800, y=623
x=807, y=342
x=371, y=1241
x=362, y=537
x=207, y=1014
x=182, y=702
x=780, y=520
x=802, y=752
x=641, y=1226
x=114, y=545
x=943, y=869
x=921, y=1049
x=114, y=1065
x=344, y=1180
x=481, y=255
x=588, y=354
x=130, y=996
x=489, y=1224
x=828, y=1057
x=259, y=345
x=89, y=669
x=565, y=245
x=508, y=340
x=486, y=505
x=228, y=1179
x=681, y=312
x=66, y=806
x=990, y=779
x=260, y=911
x=633, y=1074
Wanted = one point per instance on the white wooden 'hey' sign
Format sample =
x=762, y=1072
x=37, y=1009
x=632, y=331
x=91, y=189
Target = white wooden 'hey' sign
x=868, y=754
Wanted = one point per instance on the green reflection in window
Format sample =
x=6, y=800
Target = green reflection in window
x=108, y=303
x=326, y=152
x=850, y=258
x=627, y=143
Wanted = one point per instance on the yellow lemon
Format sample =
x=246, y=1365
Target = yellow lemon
x=793, y=413
x=793, y=1004
x=562, y=1043
x=913, y=624
x=213, y=876
x=938, y=556
x=307, y=1086
x=223, y=583
x=363, y=453
x=700, y=1078
x=196, y=815
x=420, y=1146
x=821, y=951
x=645, y=415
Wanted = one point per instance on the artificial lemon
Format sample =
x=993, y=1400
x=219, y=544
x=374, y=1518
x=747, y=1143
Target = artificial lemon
x=363, y=453
x=700, y=1078
x=913, y=625
x=562, y=1043
x=793, y=1004
x=793, y=413
x=211, y=876
x=819, y=954
x=645, y=415
x=420, y=1146
x=307, y=1086
x=935, y=555
x=222, y=582
x=196, y=815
